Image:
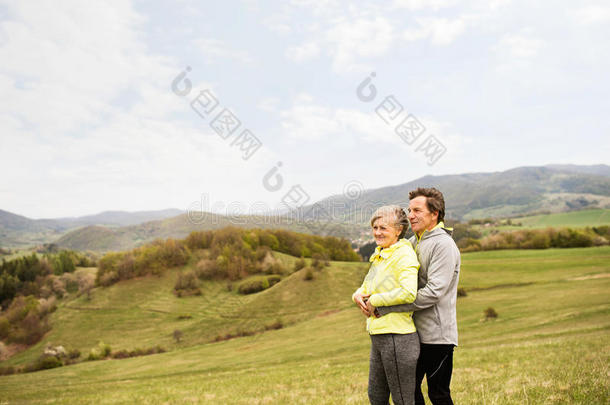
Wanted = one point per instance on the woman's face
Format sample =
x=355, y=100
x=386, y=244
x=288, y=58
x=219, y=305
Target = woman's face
x=385, y=231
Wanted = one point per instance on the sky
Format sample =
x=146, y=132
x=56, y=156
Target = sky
x=242, y=106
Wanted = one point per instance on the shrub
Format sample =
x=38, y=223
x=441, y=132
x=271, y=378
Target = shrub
x=319, y=261
x=461, y=292
x=108, y=278
x=207, y=269
x=121, y=354
x=4, y=327
x=48, y=362
x=8, y=370
x=274, y=279
x=490, y=313
x=278, y=324
x=44, y=362
x=252, y=286
x=86, y=282
x=101, y=351
x=73, y=354
x=308, y=275
x=299, y=264
x=187, y=284
x=469, y=245
x=258, y=284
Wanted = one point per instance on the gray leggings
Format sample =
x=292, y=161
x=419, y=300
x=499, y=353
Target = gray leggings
x=392, y=369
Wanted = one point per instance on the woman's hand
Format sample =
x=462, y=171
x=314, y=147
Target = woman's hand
x=361, y=301
x=371, y=309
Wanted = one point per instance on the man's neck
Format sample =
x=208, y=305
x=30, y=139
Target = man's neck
x=419, y=235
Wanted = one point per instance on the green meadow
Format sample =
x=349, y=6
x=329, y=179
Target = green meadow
x=573, y=219
x=549, y=345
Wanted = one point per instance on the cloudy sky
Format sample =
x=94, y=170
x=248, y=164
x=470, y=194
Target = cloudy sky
x=89, y=120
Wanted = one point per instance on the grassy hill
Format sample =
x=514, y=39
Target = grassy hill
x=575, y=219
x=548, y=345
x=519, y=191
x=106, y=239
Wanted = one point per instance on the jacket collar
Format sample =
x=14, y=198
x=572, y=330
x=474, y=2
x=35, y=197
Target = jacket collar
x=439, y=226
x=387, y=252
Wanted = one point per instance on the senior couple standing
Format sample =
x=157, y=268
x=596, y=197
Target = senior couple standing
x=409, y=298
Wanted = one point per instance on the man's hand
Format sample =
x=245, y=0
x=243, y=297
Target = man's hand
x=361, y=301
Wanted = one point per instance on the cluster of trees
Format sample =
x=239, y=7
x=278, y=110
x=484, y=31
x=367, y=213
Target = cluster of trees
x=25, y=320
x=292, y=243
x=29, y=288
x=38, y=276
x=539, y=239
x=148, y=259
x=470, y=239
x=230, y=254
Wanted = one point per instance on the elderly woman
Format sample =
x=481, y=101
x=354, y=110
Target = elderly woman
x=391, y=280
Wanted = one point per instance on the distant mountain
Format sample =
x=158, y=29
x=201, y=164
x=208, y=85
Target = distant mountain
x=516, y=192
x=600, y=170
x=519, y=191
x=100, y=238
x=18, y=231
x=119, y=218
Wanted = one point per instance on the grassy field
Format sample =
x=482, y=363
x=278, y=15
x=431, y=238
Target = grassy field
x=574, y=219
x=549, y=345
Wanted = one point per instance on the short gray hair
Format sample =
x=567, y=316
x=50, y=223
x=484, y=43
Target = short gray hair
x=400, y=217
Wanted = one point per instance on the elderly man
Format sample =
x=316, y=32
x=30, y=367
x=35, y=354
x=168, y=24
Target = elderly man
x=435, y=305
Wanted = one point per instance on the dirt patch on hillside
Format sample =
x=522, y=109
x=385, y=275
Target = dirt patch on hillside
x=9, y=351
x=591, y=277
x=326, y=313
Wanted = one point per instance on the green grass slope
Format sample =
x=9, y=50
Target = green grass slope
x=575, y=219
x=549, y=344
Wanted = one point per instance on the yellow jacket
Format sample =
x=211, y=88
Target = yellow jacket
x=391, y=280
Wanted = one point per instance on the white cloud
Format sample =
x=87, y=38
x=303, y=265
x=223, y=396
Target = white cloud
x=214, y=49
x=351, y=40
x=519, y=46
x=515, y=51
x=592, y=14
x=268, y=104
x=303, y=52
x=311, y=123
x=423, y=4
x=440, y=31
x=307, y=120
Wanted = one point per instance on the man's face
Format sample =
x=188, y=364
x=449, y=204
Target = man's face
x=420, y=217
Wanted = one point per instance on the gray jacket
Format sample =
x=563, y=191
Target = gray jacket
x=439, y=272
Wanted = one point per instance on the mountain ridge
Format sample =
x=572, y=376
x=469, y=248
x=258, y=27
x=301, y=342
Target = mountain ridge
x=519, y=191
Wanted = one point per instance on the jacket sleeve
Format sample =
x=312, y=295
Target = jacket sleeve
x=362, y=289
x=358, y=291
x=440, y=273
x=402, y=286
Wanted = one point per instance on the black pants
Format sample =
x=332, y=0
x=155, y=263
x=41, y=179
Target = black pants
x=436, y=363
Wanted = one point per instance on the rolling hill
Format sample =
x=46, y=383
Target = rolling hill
x=552, y=322
x=19, y=231
x=517, y=192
